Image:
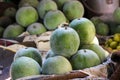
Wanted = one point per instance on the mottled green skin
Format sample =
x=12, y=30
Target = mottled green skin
x=73, y=9
x=29, y=52
x=33, y=3
x=60, y=3
x=102, y=29
x=44, y=6
x=85, y=28
x=97, y=49
x=96, y=20
x=23, y=67
x=84, y=58
x=13, y=31
x=36, y=28
x=64, y=42
x=26, y=16
x=56, y=65
x=116, y=15
x=50, y=54
x=95, y=41
x=53, y=19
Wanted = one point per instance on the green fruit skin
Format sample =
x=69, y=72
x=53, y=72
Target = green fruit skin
x=53, y=19
x=106, y=53
x=73, y=9
x=50, y=54
x=95, y=41
x=26, y=16
x=33, y=3
x=36, y=28
x=44, y=6
x=60, y=3
x=97, y=49
x=13, y=31
x=116, y=15
x=85, y=29
x=84, y=58
x=102, y=29
x=64, y=42
x=23, y=67
x=96, y=20
x=56, y=65
x=29, y=52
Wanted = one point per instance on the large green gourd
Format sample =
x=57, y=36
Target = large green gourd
x=56, y=65
x=85, y=28
x=97, y=49
x=26, y=16
x=13, y=31
x=29, y=52
x=53, y=19
x=84, y=58
x=64, y=41
x=44, y=6
x=73, y=9
x=24, y=67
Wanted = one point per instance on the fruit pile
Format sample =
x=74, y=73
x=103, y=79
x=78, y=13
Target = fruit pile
x=107, y=27
x=37, y=17
x=101, y=27
x=27, y=62
x=113, y=43
x=73, y=47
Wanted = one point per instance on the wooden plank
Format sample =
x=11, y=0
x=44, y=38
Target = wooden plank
x=67, y=76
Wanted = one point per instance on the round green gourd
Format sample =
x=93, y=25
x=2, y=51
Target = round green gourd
x=56, y=65
x=85, y=29
x=64, y=41
x=84, y=58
